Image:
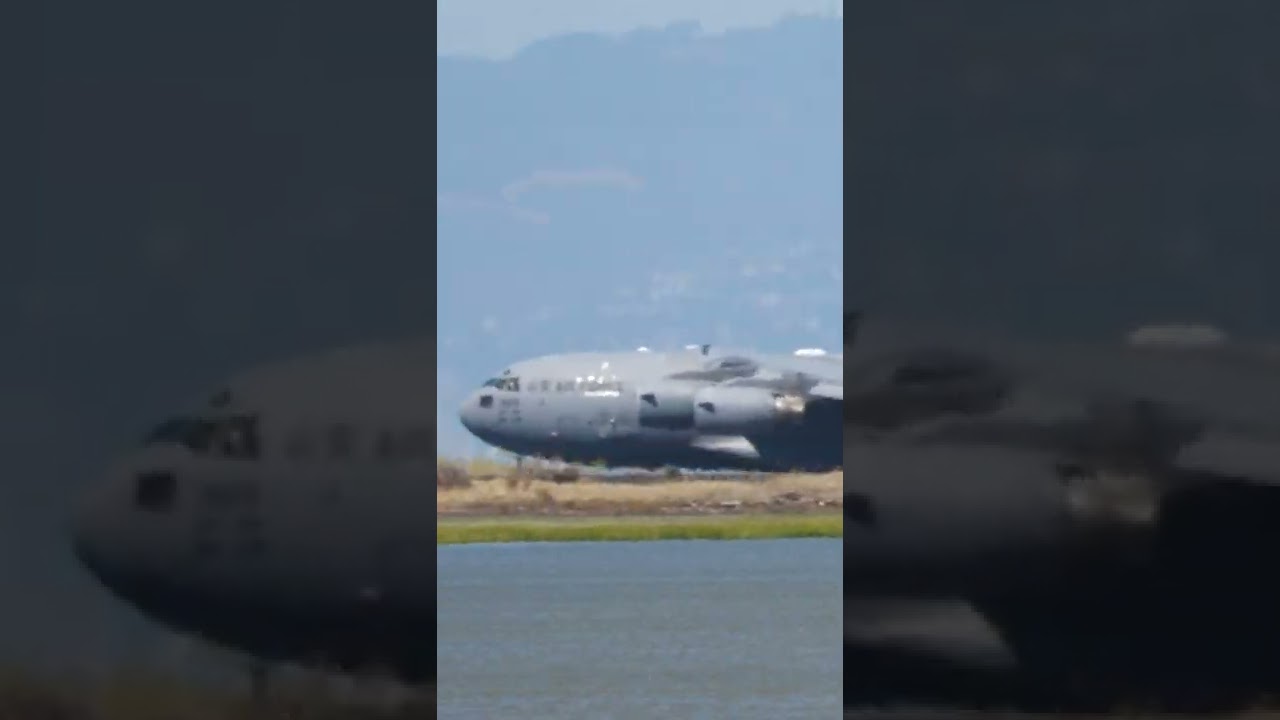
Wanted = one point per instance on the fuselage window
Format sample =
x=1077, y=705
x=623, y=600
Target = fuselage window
x=301, y=444
x=341, y=441
x=598, y=385
x=404, y=445
x=417, y=443
x=384, y=446
x=545, y=385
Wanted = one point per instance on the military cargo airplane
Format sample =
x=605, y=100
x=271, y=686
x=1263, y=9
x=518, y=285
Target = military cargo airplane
x=700, y=408
x=289, y=515
x=1108, y=517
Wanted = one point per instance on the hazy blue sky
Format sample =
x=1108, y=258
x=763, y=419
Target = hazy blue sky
x=497, y=28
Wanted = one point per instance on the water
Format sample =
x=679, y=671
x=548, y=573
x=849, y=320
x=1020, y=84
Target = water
x=697, y=629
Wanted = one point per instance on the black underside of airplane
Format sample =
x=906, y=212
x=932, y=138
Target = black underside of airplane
x=359, y=636
x=1196, y=628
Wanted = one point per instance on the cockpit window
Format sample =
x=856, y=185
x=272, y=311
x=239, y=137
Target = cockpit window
x=193, y=433
x=232, y=436
x=237, y=437
x=155, y=491
x=171, y=430
x=510, y=384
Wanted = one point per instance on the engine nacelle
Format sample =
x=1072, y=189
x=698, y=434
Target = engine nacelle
x=744, y=410
x=927, y=521
x=666, y=408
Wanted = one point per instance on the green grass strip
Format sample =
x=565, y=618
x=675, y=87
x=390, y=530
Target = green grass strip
x=450, y=531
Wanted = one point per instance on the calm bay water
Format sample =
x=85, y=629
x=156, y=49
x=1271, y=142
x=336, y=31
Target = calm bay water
x=698, y=629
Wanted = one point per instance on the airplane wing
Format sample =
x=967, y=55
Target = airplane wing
x=829, y=391
x=814, y=377
x=1224, y=455
x=1205, y=418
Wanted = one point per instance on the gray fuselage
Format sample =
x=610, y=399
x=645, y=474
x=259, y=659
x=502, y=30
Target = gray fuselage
x=290, y=516
x=642, y=409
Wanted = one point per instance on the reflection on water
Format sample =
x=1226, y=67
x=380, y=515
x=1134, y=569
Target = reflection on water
x=710, y=629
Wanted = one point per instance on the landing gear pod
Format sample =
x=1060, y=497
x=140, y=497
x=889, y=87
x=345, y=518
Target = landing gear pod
x=741, y=411
x=931, y=520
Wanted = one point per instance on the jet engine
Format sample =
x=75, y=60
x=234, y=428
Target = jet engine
x=744, y=410
x=666, y=408
x=946, y=520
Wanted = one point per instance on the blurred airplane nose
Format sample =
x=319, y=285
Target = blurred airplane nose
x=123, y=523
x=473, y=410
x=466, y=415
x=88, y=527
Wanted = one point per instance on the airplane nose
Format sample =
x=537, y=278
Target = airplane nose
x=89, y=530
x=471, y=413
x=119, y=523
x=466, y=413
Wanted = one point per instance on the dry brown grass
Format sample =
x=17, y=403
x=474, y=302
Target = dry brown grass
x=483, y=468
x=524, y=493
x=451, y=475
